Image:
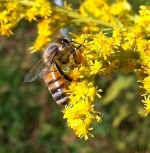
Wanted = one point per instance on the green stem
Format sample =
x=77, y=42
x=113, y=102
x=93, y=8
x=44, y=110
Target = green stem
x=26, y=3
x=77, y=18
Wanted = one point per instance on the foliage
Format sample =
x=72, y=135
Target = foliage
x=116, y=38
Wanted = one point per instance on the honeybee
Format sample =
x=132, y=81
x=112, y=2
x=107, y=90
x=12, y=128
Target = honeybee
x=47, y=68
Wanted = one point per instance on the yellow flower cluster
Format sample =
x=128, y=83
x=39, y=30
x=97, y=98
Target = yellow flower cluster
x=44, y=33
x=128, y=49
x=80, y=112
x=105, y=11
x=13, y=11
x=146, y=102
x=143, y=49
x=144, y=18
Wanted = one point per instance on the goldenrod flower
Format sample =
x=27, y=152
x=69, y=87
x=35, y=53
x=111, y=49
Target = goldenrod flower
x=98, y=9
x=95, y=67
x=146, y=84
x=144, y=18
x=117, y=36
x=98, y=45
x=12, y=13
x=75, y=74
x=12, y=6
x=31, y=14
x=5, y=29
x=37, y=8
x=80, y=112
x=146, y=102
x=120, y=8
x=44, y=33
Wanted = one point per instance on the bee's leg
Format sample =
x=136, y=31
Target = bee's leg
x=67, y=57
x=73, y=52
x=66, y=61
x=68, y=78
x=75, y=58
x=77, y=43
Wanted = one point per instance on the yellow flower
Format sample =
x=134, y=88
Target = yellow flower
x=98, y=9
x=3, y=17
x=80, y=112
x=146, y=102
x=75, y=74
x=80, y=91
x=102, y=45
x=80, y=118
x=12, y=13
x=146, y=84
x=144, y=46
x=95, y=67
x=120, y=8
x=5, y=29
x=144, y=18
x=43, y=38
x=117, y=36
x=12, y=6
x=84, y=71
x=84, y=128
x=31, y=14
x=37, y=8
x=45, y=9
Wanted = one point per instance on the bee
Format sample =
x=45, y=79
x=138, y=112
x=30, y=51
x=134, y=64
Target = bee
x=48, y=68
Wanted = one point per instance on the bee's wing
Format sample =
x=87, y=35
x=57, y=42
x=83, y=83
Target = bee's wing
x=35, y=71
x=40, y=67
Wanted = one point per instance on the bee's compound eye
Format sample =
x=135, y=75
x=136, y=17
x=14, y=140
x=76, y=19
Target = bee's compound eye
x=65, y=42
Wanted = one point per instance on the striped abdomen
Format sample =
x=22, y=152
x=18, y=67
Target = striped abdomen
x=56, y=85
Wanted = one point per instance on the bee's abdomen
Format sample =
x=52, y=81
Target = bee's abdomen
x=56, y=85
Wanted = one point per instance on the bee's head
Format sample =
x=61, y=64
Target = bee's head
x=63, y=41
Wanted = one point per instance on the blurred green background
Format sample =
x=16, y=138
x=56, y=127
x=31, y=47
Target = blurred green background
x=31, y=122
